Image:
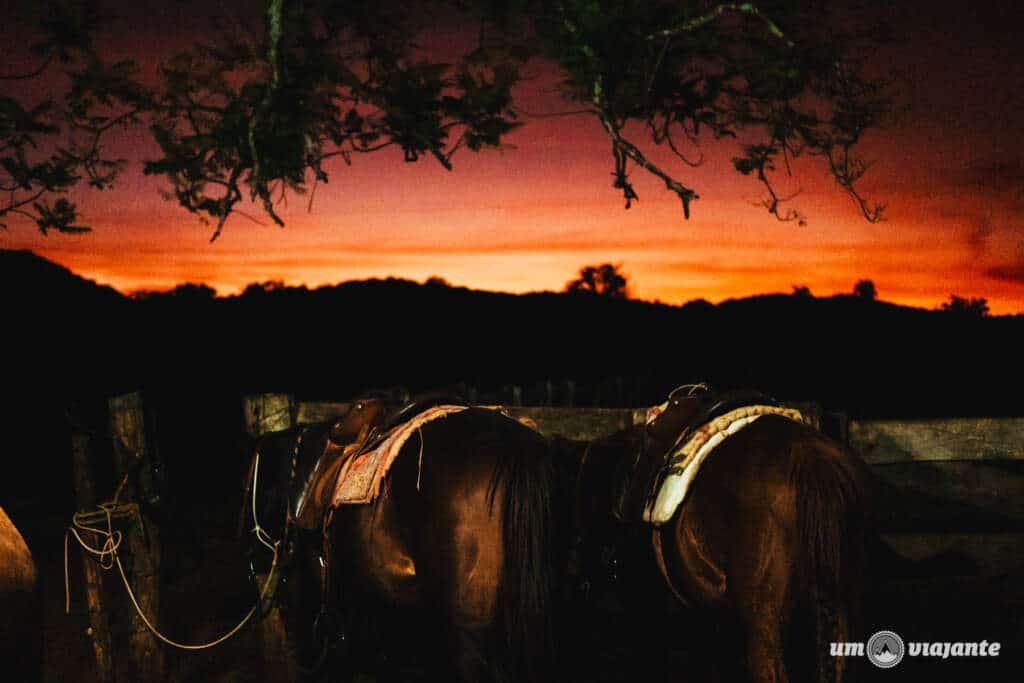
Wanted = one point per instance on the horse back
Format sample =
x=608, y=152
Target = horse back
x=20, y=627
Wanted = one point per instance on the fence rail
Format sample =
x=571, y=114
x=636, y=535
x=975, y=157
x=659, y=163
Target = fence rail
x=952, y=484
x=939, y=484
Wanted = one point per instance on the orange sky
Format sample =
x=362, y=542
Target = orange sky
x=529, y=218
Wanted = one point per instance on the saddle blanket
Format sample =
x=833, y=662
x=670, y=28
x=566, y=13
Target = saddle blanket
x=686, y=459
x=360, y=478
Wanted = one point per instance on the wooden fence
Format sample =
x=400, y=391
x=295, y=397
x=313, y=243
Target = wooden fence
x=941, y=484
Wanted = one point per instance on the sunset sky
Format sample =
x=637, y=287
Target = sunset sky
x=950, y=168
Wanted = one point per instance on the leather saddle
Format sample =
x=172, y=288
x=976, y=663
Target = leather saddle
x=332, y=447
x=639, y=474
x=416, y=405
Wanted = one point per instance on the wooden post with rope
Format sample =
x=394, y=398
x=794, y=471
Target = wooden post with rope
x=265, y=413
x=99, y=628
x=127, y=427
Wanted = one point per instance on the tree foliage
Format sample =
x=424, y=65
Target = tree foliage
x=328, y=81
x=802, y=292
x=49, y=143
x=777, y=78
x=865, y=289
x=966, y=307
x=606, y=279
x=272, y=107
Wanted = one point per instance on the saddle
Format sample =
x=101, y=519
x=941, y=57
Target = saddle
x=638, y=478
x=416, y=405
x=315, y=497
x=312, y=499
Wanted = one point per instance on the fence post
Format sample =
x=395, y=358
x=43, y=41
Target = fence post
x=99, y=629
x=127, y=427
x=265, y=413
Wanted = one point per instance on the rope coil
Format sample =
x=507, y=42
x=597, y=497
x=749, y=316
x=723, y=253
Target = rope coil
x=108, y=558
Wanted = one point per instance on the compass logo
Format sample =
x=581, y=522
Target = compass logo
x=885, y=649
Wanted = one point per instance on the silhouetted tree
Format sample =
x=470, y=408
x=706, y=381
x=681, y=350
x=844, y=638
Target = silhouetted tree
x=436, y=281
x=606, y=279
x=264, y=109
x=865, y=289
x=187, y=292
x=802, y=291
x=958, y=305
x=256, y=289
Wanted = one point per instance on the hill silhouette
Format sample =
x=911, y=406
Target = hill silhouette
x=49, y=283
x=69, y=344
x=867, y=357
x=60, y=327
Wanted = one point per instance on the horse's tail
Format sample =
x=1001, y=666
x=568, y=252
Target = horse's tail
x=832, y=519
x=526, y=589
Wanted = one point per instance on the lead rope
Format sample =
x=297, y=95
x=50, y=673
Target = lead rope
x=109, y=558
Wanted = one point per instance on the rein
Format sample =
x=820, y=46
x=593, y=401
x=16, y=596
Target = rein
x=107, y=552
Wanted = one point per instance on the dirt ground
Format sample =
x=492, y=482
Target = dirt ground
x=206, y=594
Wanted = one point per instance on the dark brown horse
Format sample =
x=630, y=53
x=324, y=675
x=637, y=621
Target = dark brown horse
x=20, y=626
x=767, y=548
x=459, y=541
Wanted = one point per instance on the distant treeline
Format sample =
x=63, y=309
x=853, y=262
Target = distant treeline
x=852, y=353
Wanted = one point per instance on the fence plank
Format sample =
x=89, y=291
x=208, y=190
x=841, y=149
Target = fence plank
x=99, y=628
x=951, y=495
x=266, y=413
x=583, y=424
x=933, y=477
x=572, y=423
x=308, y=412
x=127, y=424
x=894, y=441
x=989, y=550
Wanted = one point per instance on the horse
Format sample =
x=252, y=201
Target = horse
x=21, y=627
x=460, y=541
x=766, y=552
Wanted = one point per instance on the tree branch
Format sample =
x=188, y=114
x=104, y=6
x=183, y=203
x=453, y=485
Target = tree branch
x=621, y=147
x=627, y=148
x=703, y=20
x=553, y=114
x=275, y=19
x=30, y=74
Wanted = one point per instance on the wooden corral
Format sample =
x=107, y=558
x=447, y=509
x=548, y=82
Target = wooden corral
x=941, y=485
x=948, y=495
